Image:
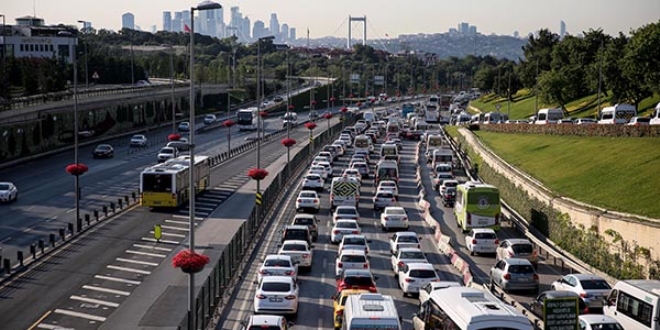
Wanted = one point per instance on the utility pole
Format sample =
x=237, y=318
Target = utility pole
x=536, y=89
x=600, y=73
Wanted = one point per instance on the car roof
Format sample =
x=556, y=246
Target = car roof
x=587, y=277
x=277, y=256
x=345, y=207
x=345, y=220
x=304, y=216
x=296, y=227
x=483, y=230
x=597, y=318
x=294, y=241
x=394, y=208
x=518, y=241
x=517, y=261
x=406, y=233
x=354, y=236
x=266, y=319
x=277, y=279
x=357, y=272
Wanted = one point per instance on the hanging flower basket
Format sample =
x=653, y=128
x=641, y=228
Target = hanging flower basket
x=291, y=107
x=327, y=115
x=313, y=102
x=228, y=123
x=359, y=104
x=190, y=262
x=344, y=109
x=288, y=142
x=174, y=137
x=257, y=174
x=77, y=169
x=310, y=125
x=333, y=99
x=263, y=114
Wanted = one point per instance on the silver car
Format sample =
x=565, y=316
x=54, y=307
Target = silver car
x=514, y=274
x=383, y=199
x=592, y=288
x=517, y=248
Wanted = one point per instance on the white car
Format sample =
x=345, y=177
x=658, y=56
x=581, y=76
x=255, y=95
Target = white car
x=313, y=182
x=138, y=140
x=344, y=227
x=598, y=322
x=389, y=185
x=345, y=212
x=481, y=240
x=447, y=184
x=184, y=126
x=341, y=148
x=353, y=173
x=327, y=155
x=276, y=295
x=166, y=153
x=404, y=239
x=268, y=322
x=406, y=256
x=319, y=159
x=277, y=265
x=592, y=288
x=210, y=119
x=320, y=170
x=354, y=242
x=414, y=276
x=351, y=259
x=394, y=217
x=308, y=200
x=327, y=167
x=383, y=199
x=425, y=292
x=8, y=192
x=299, y=252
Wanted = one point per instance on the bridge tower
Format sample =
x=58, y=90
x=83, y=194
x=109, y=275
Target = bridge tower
x=362, y=19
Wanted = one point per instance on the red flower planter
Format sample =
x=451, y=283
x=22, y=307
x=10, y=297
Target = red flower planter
x=263, y=114
x=291, y=107
x=313, y=102
x=288, y=142
x=327, y=116
x=190, y=262
x=257, y=174
x=310, y=125
x=344, y=109
x=77, y=169
x=228, y=123
x=174, y=137
x=333, y=99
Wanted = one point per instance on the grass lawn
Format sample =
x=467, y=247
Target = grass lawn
x=614, y=173
x=523, y=102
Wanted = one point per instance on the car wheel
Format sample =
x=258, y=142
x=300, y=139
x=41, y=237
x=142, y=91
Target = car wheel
x=16, y=197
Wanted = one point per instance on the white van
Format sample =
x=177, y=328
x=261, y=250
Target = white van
x=655, y=118
x=369, y=117
x=370, y=311
x=617, y=114
x=549, y=116
x=634, y=304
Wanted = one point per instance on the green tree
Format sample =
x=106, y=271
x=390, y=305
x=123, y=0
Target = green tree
x=537, y=56
x=554, y=87
x=642, y=58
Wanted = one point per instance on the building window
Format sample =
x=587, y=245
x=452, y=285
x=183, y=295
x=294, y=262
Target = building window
x=50, y=47
x=31, y=48
x=41, y=47
x=22, y=48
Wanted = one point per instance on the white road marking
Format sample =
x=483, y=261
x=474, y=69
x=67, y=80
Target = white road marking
x=130, y=270
x=171, y=235
x=117, y=279
x=152, y=247
x=52, y=327
x=174, y=228
x=138, y=262
x=80, y=315
x=150, y=239
x=95, y=301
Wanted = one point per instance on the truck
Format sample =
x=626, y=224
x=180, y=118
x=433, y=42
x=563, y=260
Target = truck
x=407, y=108
x=444, y=112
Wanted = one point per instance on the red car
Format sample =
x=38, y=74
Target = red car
x=414, y=135
x=357, y=279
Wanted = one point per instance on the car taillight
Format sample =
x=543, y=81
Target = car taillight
x=401, y=264
x=536, y=277
x=386, y=219
x=583, y=295
x=355, y=232
x=365, y=266
x=585, y=310
x=316, y=201
x=299, y=200
x=340, y=312
x=336, y=232
x=418, y=246
x=288, y=272
x=305, y=255
x=405, y=218
x=497, y=242
x=260, y=296
x=290, y=297
x=474, y=241
x=510, y=254
x=409, y=280
x=373, y=289
x=507, y=276
x=393, y=199
x=263, y=272
x=535, y=253
x=340, y=265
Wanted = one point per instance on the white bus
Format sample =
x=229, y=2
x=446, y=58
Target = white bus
x=247, y=119
x=465, y=308
x=368, y=311
x=635, y=304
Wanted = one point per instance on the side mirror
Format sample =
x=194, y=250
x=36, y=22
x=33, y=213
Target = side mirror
x=255, y=282
x=368, y=241
x=375, y=278
x=333, y=297
x=279, y=245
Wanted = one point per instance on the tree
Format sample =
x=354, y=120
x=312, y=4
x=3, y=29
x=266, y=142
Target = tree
x=642, y=58
x=537, y=56
x=553, y=87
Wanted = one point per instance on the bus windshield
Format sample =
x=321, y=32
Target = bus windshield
x=361, y=143
x=244, y=116
x=156, y=182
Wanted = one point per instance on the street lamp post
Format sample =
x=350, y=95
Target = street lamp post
x=171, y=48
x=4, y=50
x=259, y=119
x=192, y=310
x=72, y=51
x=84, y=23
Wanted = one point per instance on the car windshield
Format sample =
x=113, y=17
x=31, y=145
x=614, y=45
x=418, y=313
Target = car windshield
x=353, y=258
x=277, y=263
x=521, y=269
x=167, y=151
x=422, y=273
x=345, y=211
x=595, y=285
x=606, y=326
x=485, y=235
x=303, y=221
x=296, y=233
x=358, y=281
x=265, y=327
x=276, y=287
x=522, y=248
x=408, y=239
x=103, y=147
x=307, y=194
x=354, y=241
x=313, y=177
x=138, y=137
x=4, y=187
x=396, y=212
x=385, y=195
x=294, y=247
x=346, y=224
x=411, y=255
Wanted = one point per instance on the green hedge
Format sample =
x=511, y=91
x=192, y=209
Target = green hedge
x=577, y=130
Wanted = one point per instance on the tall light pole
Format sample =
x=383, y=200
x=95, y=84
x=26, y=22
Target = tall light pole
x=4, y=50
x=508, y=93
x=84, y=23
x=73, y=52
x=172, y=50
x=192, y=310
x=132, y=68
x=231, y=74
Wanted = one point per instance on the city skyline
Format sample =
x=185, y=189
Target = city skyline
x=493, y=17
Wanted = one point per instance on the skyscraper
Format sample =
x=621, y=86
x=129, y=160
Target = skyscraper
x=245, y=27
x=274, y=26
x=259, y=29
x=463, y=28
x=472, y=30
x=128, y=21
x=284, y=32
x=167, y=21
x=177, y=22
x=292, y=33
x=207, y=22
x=185, y=17
x=562, y=29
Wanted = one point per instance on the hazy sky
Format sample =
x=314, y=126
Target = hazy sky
x=383, y=16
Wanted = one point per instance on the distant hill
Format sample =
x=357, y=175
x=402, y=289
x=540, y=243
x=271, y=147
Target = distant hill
x=444, y=45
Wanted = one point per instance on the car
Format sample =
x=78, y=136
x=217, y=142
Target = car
x=517, y=248
x=313, y=181
x=482, y=241
x=8, y=192
x=299, y=251
x=390, y=185
x=277, y=265
x=585, y=121
x=404, y=239
x=354, y=173
x=414, y=135
x=308, y=220
x=598, y=322
x=404, y=256
x=357, y=279
x=142, y=83
x=266, y=322
x=362, y=168
x=318, y=159
x=327, y=167
x=351, y=259
x=297, y=232
x=394, y=217
x=166, y=153
x=439, y=178
x=341, y=148
x=354, y=242
x=103, y=151
x=210, y=119
x=184, y=126
x=383, y=199
x=320, y=170
x=343, y=227
x=327, y=155
x=639, y=121
x=415, y=275
x=138, y=140
x=514, y=274
x=537, y=304
x=339, y=301
x=308, y=200
x=592, y=288
x=179, y=145
x=345, y=212
x=332, y=150
x=425, y=292
x=276, y=295
x=446, y=184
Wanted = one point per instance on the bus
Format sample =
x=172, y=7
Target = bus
x=431, y=114
x=247, y=119
x=407, y=108
x=477, y=206
x=167, y=184
x=370, y=311
x=465, y=308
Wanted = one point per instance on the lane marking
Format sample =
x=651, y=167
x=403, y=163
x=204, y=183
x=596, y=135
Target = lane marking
x=151, y=239
x=152, y=247
x=95, y=301
x=129, y=270
x=170, y=234
x=117, y=279
x=131, y=261
x=80, y=315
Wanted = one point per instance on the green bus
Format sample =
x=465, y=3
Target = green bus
x=477, y=206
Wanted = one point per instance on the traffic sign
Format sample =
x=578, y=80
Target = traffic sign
x=497, y=106
x=158, y=232
x=561, y=313
x=259, y=198
x=95, y=75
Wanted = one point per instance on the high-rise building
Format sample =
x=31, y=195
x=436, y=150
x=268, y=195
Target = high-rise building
x=185, y=17
x=207, y=22
x=562, y=29
x=177, y=22
x=219, y=22
x=463, y=28
x=128, y=21
x=154, y=28
x=516, y=34
x=258, y=29
x=284, y=32
x=292, y=33
x=472, y=30
x=274, y=25
x=245, y=27
x=167, y=21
